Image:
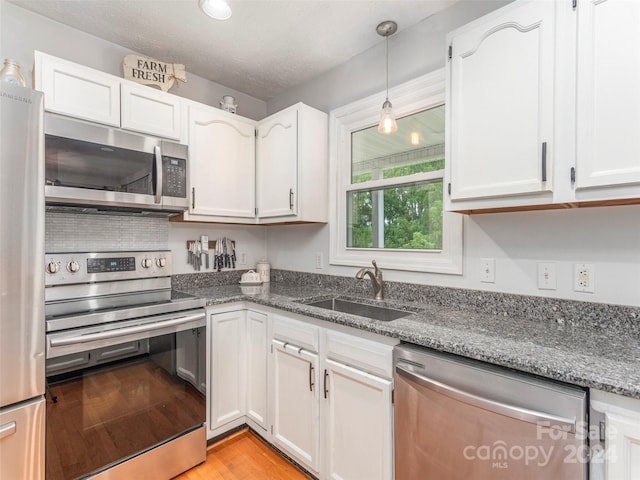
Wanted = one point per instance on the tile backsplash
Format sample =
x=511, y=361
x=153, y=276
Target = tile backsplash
x=75, y=232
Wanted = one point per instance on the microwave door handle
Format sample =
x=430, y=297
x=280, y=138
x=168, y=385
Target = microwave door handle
x=158, y=167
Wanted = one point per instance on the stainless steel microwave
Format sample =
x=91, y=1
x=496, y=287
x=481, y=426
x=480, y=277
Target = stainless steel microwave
x=91, y=165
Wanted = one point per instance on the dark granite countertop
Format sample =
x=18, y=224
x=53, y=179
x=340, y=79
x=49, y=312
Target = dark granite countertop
x=590, y=353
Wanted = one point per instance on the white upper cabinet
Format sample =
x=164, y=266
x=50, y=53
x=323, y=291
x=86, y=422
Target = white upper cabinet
x=608, y=108
x=277, y=164
x=292, y=166
x=222, y=164
x=543, y=107
x=151, y=111
x=501, y=102
x=77, y=91
x=82, y=92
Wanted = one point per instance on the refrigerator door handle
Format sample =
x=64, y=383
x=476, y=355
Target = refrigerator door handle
x=7, y=430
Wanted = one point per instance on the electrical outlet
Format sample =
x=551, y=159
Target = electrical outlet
x=488, y=270
x=319, y=260
x=242, y=258
x=547, y=276
x=584, y=278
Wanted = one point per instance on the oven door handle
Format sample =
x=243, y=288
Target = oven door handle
x=121, y=332
x=519, y=413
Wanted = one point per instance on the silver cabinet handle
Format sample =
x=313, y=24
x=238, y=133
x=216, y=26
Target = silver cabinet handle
x=291, y=199
x=523, y=414
x=326, y=374
x=311, y=377
x=7, y=430
x=157, y=153
x=121, y=332
x=544, y=161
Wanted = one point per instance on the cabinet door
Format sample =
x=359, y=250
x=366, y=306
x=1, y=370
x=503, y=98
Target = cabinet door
x=147, y=110
x=277, y=164
x=78, y=91
x=257, y=345
x=222, y=168
x=501, y=104
x=296, y=408
x=228, y=386
x=608, y=107
x=359, y=424
x=623, y=447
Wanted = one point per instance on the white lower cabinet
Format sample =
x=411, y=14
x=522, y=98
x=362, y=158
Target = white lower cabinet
x=237, y=369
x=358, y=422
x=621, y=454
x=227, y=390
x=332, y=410
x=296, y=410
x=318, y=391
x=257, y=371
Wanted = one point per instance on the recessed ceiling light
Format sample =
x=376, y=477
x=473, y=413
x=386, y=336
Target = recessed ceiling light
x=218, y=9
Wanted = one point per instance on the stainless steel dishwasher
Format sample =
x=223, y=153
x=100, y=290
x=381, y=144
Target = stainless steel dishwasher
x=460, y=419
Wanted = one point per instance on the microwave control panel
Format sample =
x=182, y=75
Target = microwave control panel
x=174, y=177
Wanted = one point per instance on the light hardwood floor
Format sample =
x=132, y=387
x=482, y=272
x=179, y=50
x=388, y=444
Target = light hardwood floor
x=243, y=456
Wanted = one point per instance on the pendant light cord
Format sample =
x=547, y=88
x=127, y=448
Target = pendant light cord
x=387, y=44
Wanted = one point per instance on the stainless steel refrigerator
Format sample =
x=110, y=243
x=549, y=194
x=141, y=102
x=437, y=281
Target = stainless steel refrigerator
x=22, y=379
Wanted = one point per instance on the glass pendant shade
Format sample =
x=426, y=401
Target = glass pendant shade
x=387, y=123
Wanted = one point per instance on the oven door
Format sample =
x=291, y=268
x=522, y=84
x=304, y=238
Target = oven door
x=120, y=393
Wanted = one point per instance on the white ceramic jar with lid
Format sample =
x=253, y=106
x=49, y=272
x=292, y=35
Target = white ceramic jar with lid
x=11, y=73
x=264, y=269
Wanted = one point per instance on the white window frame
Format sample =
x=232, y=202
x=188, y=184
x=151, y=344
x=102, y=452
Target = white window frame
x=419, y=94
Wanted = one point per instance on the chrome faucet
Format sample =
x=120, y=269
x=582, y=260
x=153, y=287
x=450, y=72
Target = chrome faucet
x=376, y=279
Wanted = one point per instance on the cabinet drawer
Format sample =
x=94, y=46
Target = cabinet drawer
x=298, y=333
x=367, y=355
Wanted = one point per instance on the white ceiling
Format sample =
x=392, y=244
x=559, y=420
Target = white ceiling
x=266, y=47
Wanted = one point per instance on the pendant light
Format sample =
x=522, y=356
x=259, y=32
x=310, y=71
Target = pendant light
x=387, y=123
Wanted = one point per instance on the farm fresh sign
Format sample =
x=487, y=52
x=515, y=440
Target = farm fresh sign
x=148, y=71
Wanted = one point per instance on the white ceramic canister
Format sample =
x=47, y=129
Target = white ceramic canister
x=264, y=269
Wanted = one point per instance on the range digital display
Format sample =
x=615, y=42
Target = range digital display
x=105, y=265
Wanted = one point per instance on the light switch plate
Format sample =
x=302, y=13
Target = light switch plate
x=488, y=270
x=547, y=276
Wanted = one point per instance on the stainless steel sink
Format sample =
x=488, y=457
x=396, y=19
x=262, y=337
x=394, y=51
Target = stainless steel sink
x=362, y=309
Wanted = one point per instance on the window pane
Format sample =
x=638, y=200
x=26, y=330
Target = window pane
x=403, y=217
x=417, y=146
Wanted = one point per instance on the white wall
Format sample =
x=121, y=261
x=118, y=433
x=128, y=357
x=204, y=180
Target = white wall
x=413, y=52
x=608, y=238
x=22, y=32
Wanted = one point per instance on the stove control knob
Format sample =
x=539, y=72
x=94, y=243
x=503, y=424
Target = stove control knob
x=52, y=267
x=146, y=262
x=73, y=266
x=161, y=262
